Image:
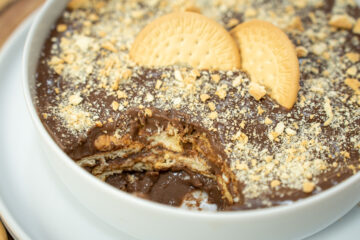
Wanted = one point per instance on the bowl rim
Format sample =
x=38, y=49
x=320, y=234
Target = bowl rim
x=160, y=208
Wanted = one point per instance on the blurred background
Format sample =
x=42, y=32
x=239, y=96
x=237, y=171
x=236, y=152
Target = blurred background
x=12, y=13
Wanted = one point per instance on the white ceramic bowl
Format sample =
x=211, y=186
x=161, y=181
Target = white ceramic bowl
x=151, y=221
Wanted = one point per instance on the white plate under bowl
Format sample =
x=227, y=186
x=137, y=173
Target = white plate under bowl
x=36, y=205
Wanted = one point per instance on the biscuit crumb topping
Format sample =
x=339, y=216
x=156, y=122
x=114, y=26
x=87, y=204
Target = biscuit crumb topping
x=342, y=21
x=93, y=82
x=308, y=187
x=256, y=90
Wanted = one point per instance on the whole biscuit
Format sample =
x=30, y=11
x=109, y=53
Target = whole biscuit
x=185, y=38
x=269, y=57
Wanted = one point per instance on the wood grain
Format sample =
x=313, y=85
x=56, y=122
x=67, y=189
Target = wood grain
x=3, y=235
x=13, y=13
x=4, y=4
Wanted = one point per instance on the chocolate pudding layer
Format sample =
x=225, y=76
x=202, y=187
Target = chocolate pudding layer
x=164, y=133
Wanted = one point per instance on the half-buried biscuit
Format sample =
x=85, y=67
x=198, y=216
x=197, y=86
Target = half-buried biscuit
x=269, y=57
x=185, y=38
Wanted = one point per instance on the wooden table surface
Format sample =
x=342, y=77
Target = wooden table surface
x=12, y=13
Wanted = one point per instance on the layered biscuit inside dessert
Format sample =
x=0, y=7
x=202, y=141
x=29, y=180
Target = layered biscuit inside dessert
x=162, y=158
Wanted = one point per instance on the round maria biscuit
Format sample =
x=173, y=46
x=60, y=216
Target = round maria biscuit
x=185, y=38
x=269, y=57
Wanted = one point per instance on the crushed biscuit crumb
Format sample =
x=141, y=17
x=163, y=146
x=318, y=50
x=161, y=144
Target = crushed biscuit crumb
x=301, y=51
x=213, y=115
x=75, y=99
x=148, y=112
x=115, y=105
x=221, y=92
x=356, y=28
x=308, y=187
x=250, y=12
x=296, y=24
x=353, y=57
x=158, y=84
x=232, y=22
x=204, y=97
x=351, y=71
x=237, y=81
x=211, y=106
x=215, y=78
x=268, y=121
x=121, y=94
x=275, y=183
x=256, y=90
x=61, y=27
x=341, y=21
x=354, y=84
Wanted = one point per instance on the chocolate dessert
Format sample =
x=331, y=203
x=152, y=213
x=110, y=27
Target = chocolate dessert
x=164, y=133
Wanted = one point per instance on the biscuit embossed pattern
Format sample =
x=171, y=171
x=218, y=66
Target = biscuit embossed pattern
x=139, y=128
x=269, y=57
x=188, y=38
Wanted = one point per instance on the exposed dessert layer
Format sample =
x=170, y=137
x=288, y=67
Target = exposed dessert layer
x=110, y=115
x=164, y=150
